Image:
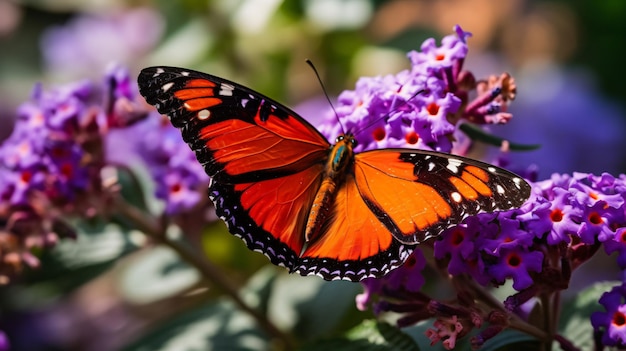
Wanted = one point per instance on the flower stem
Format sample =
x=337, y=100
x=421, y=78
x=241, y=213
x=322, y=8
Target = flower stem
x=548, y=321
x=209, y=271
x=515, y=322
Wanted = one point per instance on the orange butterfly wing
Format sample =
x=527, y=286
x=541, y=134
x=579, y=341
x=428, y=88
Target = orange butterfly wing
x=354, y=244
x=417, y=194
x=237, y=134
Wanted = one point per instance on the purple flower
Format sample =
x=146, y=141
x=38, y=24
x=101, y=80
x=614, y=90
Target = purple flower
x=617, y=243
x=457, y=246
x=517, y=264
x=179, y=191
x=553, y=216
x=435, y=58
x=4, y=342
x=508, y=235
x=122, y=105
x=611, y=324
x=179, y=178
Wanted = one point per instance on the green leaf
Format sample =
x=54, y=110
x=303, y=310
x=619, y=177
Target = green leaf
x=295, y=304
x=215, y=326
x=511, y=340
x=478, y=134
x=370, y=335
x=98, y=241
x=574, y=322
x=258, y=289
x=156, y=274
x=133, y=180
x=71, y=263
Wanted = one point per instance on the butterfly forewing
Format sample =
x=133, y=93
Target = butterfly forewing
x=237, y=134
x=417, y=194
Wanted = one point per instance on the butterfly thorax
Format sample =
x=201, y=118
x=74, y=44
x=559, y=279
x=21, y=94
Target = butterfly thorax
x=340, y=158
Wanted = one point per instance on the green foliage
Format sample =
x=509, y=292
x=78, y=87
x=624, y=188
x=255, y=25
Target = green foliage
x=370, y=335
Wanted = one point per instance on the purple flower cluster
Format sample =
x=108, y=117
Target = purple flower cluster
x=54, y=163
x=47, y=161
x=419, y=108
x=536, y=247
x=567, y=217
x=44, y=150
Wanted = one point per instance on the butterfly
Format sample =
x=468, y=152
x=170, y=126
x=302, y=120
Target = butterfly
x=314, y=207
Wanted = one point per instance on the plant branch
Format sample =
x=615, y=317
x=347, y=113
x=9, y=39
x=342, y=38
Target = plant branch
x=209, y=271
x=515, y=321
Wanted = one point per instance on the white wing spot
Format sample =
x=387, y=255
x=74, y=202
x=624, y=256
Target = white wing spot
x=167, y=86
x=431, y=166
x=184, y=73
x=500, y=189
x=158, y=71
x=491, y=169
x=456, y=197
x=204, y=114
x=226, y=89
x=453, y=165
x=517, y=182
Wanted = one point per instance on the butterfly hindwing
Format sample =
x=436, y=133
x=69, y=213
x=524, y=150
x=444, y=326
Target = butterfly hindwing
x=269, y=215
x=355, y=244
x=417, y=194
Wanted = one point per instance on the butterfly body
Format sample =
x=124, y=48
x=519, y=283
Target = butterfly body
x=310, y=206
x=340, y=160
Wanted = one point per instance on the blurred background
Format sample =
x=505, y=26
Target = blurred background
x=566, y=57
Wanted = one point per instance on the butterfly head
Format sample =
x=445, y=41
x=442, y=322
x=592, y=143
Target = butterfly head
x=347, y=139
x=342, y=154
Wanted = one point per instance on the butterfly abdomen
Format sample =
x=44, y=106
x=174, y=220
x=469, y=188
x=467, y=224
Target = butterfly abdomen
x=320, y=209
x=340, y=158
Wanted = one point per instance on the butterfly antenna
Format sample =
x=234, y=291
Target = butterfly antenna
x=319, y=79
x=386, y=115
